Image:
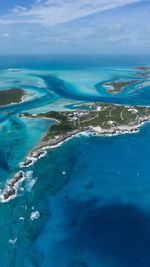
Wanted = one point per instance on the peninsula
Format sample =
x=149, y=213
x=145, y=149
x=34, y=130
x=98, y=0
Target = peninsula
x=98, y=118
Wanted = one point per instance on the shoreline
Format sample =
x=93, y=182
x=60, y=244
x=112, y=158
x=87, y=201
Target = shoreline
x=41, y=150
x=10, y=190
x=12, y=186
x=24, y=98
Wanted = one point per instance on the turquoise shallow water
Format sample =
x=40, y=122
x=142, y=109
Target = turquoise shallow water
x=92, y=193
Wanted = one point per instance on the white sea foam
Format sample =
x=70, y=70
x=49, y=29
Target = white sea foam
x=30, y=181
x=43, y=154
x=86, y=133
x=33, y=159
x=21, y=218
x=13, y=241
x=2, y=200
x=34, y=215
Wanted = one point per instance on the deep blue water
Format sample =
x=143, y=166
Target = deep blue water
x=101, y=217
x=52, y=62
x=92, y=193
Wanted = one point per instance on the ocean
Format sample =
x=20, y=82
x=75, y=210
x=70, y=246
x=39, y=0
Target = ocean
x=87, y=202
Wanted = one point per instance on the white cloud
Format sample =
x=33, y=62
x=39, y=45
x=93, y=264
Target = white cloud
x=77, y=24
x=50, y=13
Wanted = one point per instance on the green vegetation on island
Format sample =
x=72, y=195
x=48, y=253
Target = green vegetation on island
x=10, y=96
x=63, y=126
x=107, y=118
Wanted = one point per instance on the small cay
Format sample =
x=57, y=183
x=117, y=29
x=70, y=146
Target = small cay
x=11, y=186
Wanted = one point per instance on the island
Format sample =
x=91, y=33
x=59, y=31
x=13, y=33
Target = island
x=11, y=96
x=11, y=186
x=115, y=87
x=94, y=118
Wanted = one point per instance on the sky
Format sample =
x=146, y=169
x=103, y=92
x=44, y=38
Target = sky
x=74, y=27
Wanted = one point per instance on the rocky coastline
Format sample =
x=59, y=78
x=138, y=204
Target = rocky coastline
x=11, y=187
x=40, y=151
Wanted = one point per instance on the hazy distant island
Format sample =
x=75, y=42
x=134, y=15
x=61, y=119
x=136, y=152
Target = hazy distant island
x=115, y=87
x=142, y=67
x=143, y=71
x=118, y=86
x=14, y=69
x=11, y=96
